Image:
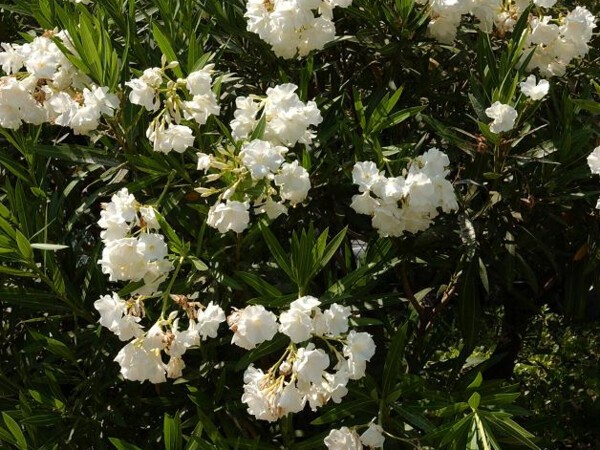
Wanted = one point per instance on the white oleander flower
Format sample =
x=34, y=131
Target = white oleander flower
x=366, y=174
x=149, y=217
x=271, y=208
x=293, y=182
x=175, y=367
x=209, y=320
x=152, y=246
x=200, y=81
x=204, y=161
x=593, y=161
x=232, y=215
x=288, y=119
x=310, y=364
x=373, y=437
x=533, y=90
x=252, y=326
x=504, y=117
x=143, y=94
x=359, y=347
x=173, y=137
x=201, y=107
x=122, y=260
x=343, y=439
x=336, y=319
x=140, y=364
x=262, y=158
x=99, y=99
x=297, y=322
x=293, y=28
x=115, y=317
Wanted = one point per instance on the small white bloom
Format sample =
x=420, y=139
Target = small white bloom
x=593, y=161
x=139, y=364
x=359, y=346
x=373, y=437
x=366, y=174
x=175, y=367
x=201, y=107
x=199, y=82
x=504, y=117
x=232, y=215
x=252, y=326
x=296, y=324
x=143, y=94
x=293, y=182
x=209, y=320
x=336, y=318
x=310, y=364
x=204, y=161
x=533, y=90
x=262, y=158
x=149, y=216
x=343, y=439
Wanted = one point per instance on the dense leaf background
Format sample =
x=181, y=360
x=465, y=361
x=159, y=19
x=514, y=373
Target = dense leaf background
x=497, y=300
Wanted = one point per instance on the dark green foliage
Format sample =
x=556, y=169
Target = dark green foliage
x=469, y=355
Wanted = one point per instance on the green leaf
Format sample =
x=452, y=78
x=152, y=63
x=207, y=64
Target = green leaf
x=259, y=285
x=329, y=251
x=199, y=265
x=165, y=46
x=120, y=444
x=474, y=400
x=394, y=360
x=175, y=243
x=476, y=382
x=172, y=432
x=24, y=246
x=344, y=409
x=281, y=257
x=469, y=308
x=15, y=430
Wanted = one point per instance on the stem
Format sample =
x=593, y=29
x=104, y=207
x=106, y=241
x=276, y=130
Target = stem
x=166, y=188
x=481, y=431
x=165, y=296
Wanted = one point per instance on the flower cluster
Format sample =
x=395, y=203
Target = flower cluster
x=293, y=27
x=348, y=439
x=405, y=203
x=132, y=251
x=155, y=91
x=42, y=86
x=446, y=16
x=256, y=171
x=141, y=359
x=302, y=373
x=287, y=118
x=556, y=42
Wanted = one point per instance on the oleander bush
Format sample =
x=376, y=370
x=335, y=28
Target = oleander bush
x=299, y=224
